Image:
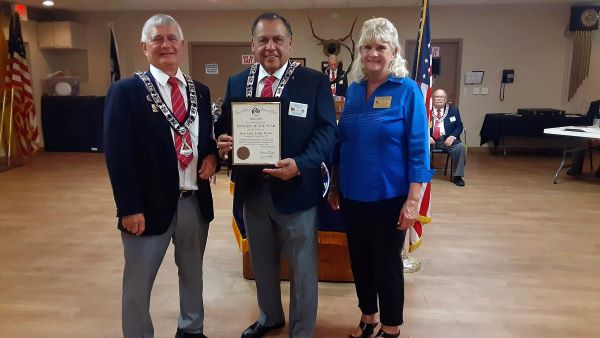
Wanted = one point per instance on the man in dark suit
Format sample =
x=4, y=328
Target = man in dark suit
x=578, y=154
x=336, y=75
x=279, y=203
x=445, y=134
x=160, y=155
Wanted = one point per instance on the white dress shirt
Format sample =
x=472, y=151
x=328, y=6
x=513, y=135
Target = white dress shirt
x=188, y=178
x=444, y=111
x=262, y=77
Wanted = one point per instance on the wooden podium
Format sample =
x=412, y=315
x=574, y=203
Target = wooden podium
x=334, y=264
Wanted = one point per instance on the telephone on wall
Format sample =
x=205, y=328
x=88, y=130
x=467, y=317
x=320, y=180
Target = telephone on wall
x=508, y=76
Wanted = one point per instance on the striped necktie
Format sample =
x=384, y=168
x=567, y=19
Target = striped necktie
x=183, y=144
x=267, y=90
x=436, y=129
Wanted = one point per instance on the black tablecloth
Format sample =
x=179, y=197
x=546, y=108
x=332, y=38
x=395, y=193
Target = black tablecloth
x=73, y=123
x=496, y=126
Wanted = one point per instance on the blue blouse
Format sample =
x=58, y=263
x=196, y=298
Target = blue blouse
x=381, y=150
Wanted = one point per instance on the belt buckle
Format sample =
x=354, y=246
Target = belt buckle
x=185, y=193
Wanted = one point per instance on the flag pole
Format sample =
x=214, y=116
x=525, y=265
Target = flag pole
x=410, y=264
x=2, y=116
x=10, y=124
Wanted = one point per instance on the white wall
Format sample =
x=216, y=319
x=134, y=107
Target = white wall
x=531, y=39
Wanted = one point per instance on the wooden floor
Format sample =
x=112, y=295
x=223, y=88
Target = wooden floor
x=509, y=255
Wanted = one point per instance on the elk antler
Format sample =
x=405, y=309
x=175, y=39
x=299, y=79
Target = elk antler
x=332, y=46
x=313, y=32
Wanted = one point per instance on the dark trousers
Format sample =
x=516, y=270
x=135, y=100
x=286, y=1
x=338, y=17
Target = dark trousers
x=375, y=246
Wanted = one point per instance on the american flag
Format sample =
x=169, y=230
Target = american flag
x=115, y=70
x=421, y=73
x=18, y=85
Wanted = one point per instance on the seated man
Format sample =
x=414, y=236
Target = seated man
x=336, y=75
x=578, y=159
x=578, y=155
x=445, y=134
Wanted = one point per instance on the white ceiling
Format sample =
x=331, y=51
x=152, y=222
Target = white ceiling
x=118, y=5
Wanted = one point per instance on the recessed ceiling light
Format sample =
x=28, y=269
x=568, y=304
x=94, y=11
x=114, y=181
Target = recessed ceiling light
x=48, y=3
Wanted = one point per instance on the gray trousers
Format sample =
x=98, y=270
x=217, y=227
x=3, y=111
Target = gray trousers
x=143, y=256
x=270, y=234
x=458, y=154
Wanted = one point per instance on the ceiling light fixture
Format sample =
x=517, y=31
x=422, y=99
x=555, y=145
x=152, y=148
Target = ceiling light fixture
x=48, y=3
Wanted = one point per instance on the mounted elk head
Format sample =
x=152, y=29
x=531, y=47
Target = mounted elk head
x=333, y=46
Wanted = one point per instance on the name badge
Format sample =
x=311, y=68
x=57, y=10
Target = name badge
x=382, y=102
x=453, y=119
x=298, y=109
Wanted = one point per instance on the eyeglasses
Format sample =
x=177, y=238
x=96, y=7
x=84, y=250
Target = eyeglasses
x=439, y=97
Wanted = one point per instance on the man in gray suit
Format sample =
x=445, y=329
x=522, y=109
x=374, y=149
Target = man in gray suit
x=160, y=154
x=279, y=204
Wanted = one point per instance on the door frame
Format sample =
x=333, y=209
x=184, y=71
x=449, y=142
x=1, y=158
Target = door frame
x=458, y=66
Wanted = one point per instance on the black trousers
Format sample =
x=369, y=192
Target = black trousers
x=375, y=246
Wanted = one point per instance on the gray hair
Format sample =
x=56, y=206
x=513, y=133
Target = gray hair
x=378, y=30
x=159, y=20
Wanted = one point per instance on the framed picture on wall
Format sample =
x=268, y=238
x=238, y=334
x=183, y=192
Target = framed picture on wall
x=474, y=77
x=324, y=65
x=301, y=61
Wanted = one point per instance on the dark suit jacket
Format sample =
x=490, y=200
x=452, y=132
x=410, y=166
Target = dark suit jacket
x=141, y=158
x=451, y=128
x=593, y=111
x=308, y=140
x=341, y=82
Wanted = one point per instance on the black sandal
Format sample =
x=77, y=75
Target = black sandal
x=367, y=330
x=382, y=334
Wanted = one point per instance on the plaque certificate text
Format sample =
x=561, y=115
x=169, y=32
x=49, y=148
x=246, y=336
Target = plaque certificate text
x=256, y=133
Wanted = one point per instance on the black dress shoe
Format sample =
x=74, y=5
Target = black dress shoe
x=382, y=334
x=573, y=172
x=458, y=181
x=181, y=334
x=257, y=329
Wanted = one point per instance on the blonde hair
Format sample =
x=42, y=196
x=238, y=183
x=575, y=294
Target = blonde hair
x=378, y=30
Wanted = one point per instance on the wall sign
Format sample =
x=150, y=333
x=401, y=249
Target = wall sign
x=211, y=68
x=247, y=59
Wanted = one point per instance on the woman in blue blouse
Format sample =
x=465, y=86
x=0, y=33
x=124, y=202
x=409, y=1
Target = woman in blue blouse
x=381, y=163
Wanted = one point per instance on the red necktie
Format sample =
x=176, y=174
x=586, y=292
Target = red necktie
x=183, y=144
x=267, y=90
x=332, y=79
x=436, y=128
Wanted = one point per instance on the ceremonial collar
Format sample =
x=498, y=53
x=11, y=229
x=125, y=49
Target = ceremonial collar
x=291, y=66
x=262, y=72
x=156, y=100
x=444, y=113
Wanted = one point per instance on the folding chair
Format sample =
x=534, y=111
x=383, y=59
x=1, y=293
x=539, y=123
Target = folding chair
x=448, y=159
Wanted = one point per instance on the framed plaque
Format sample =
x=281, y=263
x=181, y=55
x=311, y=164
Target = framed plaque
x=301, y=61
x=256, y=131
x=474, y=77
